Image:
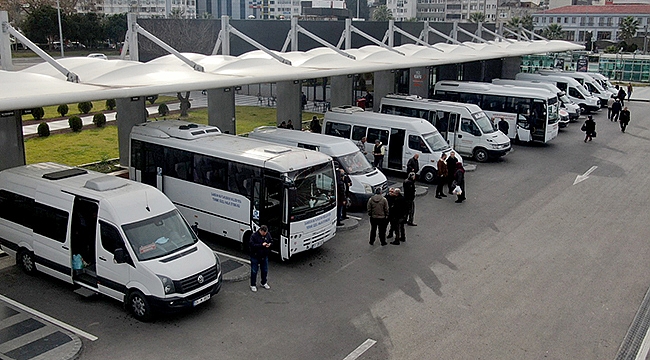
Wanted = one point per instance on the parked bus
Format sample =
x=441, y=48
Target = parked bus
x=106, y=234
x=230, y=185
x=586, y=80
x=402, y=137
x=465, y=126
x=531, y=113
x=365, y=178
x=573, y=89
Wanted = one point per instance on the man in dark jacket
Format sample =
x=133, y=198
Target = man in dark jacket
x=378, y=212
x=396, y=216
x=442, y=176
x=625, y=118
x=409, y=198
x=621, y=95
x=451, y=168
x=260, y=245
x=413, y=165
x=616, y=109
x=504, y=127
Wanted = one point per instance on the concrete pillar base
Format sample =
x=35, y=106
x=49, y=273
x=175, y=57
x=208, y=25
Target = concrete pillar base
x=221, y=109
x=289, y=103
x=130, y=111
x=12, y=146
x=341, y=90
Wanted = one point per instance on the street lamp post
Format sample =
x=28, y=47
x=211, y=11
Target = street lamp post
x=58, y=13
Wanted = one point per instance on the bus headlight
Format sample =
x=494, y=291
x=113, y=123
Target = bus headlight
x=216, y=258
x=167, y=283
x=367, y=188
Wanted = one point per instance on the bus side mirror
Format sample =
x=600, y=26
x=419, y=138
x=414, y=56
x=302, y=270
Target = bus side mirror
x=120, y=256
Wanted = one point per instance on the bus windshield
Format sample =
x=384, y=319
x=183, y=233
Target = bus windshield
x=483, y=122
x=355, y=163
x=552, y=110
x=159, y=236
x=315, y=190
x=565, y=99
x=436, y=142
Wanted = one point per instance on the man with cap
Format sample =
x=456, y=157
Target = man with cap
x=378, y=212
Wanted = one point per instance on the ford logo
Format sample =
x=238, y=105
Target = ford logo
x=200, y=279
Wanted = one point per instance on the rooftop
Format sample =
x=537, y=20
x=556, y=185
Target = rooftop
x=599, y=9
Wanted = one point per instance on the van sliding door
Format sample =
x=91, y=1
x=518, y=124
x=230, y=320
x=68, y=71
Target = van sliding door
x=396, y=149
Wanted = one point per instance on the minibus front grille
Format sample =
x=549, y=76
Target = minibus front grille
x=383, y=186
x=192, y=282
x=309, y=242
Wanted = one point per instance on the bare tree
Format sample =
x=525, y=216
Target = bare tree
x=185, y=103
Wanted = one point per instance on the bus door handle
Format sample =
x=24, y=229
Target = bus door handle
x=460, y=136
x=65, y=247
x=102, y=258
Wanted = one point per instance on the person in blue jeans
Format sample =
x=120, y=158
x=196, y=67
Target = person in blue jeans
x=260, y=244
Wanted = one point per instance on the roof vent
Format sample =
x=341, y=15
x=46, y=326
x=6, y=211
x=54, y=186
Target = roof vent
x=105, y=183
x=64, y=174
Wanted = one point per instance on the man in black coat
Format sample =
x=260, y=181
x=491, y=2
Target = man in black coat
x=616, y=110
x=413, y=165
x=260, y=247
x=409, y=198
x=451, y=169
x=396, y=215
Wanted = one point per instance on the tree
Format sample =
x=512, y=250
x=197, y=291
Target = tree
x=477, y=17
x=41, y=25
x=177, y=13
x=185, y=103
x=527, y=22
x=382, y=13
x=553, y=32
x=63, y=109
x=115, y=27
x=627, y=28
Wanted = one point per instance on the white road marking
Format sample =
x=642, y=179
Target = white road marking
x=644, y=348
x=584, y=176
x=354, y=217
x=49, y=319
x=361, y=349
x=232, y=257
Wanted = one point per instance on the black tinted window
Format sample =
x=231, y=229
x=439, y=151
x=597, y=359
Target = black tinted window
x=52, y=223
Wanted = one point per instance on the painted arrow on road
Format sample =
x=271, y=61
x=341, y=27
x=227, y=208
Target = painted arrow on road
x=584, y=176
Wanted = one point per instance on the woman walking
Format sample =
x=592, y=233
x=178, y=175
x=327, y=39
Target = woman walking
x=459, y=180
x=589, y=127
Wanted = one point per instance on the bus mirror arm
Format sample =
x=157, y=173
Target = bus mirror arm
x=195, y=228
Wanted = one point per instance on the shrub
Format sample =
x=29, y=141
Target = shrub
x=63, y=109
x=43, y=129
x=99, y=120
x=163, y=109
x=38, y=113
x=85, y=107
x=110, y=104
x=75, y=123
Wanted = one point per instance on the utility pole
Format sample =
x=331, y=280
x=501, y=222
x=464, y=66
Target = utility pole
x=645, y=40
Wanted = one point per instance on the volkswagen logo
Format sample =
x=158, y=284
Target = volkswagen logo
x=200, y=279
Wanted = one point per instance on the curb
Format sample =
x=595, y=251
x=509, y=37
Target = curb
x=348, y=224
x=233, y=268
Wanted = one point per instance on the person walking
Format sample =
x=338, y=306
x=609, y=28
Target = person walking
x=409, y=198
x=442, y=176
x=378, y=211
x=610, y=102
x=625, y=118
x=260, y=244
x=616, y=110
x=314, y=125
x=413, y=165
x=622, y=95
x=504, y=127
x=459, y=180
x=629, y=91
x=589, y=127
x=396, y=216
x=361, y=144
x=378, y=152
x=451, y=168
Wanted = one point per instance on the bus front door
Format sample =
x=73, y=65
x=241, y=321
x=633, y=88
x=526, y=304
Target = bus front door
x=396, y=149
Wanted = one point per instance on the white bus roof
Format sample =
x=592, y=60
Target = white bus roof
x=115, y=194
x=431, y=104
x=555, y=77
x=356, y=116
x=529, y=83
x=336, y=146
x=174, y=133
x=493, y=89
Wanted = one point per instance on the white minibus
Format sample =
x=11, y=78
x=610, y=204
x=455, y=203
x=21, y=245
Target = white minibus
x=465, y=126
x=230, y=185
x=402, y=137
x=567, y=104
x=365, y=179
x=106, y=234
x=604, y=82
x=531, y=113
x=573, y=89
x=593, y=86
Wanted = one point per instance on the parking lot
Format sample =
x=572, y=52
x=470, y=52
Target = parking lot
x=535, y=264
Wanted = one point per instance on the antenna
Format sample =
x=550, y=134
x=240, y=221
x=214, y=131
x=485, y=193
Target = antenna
x=146, y=199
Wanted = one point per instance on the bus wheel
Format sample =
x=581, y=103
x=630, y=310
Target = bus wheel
x=138, y=306
x=481, y=155
x=428, y=176
x=25, y=260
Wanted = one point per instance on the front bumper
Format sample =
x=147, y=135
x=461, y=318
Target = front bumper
x=495, y=153
x=175, y=304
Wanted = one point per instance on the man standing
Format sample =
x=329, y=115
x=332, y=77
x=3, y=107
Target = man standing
x=504, y=127
x=610, y=103
x=409, y=198
x=622, y=95
x=629, y=90
x=413, y=165
x=625, y=118
x=451, y=167
x=396, y=214
x=616, y=110
x=260, y=244
x=442, y=176
x=378, y=212
x=378, y=152
x=341, y=197
x=361, y=144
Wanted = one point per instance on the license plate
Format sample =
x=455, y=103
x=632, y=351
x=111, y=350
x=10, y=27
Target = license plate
x=318, y=243
x=201, y=300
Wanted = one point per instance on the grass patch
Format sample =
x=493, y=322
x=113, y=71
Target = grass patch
x=99, y=144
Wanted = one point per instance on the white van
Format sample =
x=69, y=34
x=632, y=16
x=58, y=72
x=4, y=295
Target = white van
x=402, y=136
x=465, y=126
x=107, y=235
x=365, y=179
x=604, y=82
x=593, y=86
x=572, y=109
x=573, y=89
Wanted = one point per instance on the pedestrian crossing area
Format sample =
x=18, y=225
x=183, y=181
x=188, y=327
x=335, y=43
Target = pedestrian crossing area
x=23, y=337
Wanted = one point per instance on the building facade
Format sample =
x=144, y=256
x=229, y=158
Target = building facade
x=185, y=9
x=442, y=10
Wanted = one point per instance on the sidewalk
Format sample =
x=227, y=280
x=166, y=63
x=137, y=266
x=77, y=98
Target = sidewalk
x=641, y=93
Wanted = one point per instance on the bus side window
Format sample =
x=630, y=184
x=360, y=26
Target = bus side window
x=453, y=122
x=468, y=126
x=442, y=121
x=111, y=239
x=338, y=129
x=418, y=144
x=358, y=132
x=374, y=134
x=52, y=223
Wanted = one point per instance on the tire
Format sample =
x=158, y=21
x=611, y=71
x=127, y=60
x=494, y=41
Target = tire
x=138, y=306
x=481, y=155
x=25, y=260
x=583, y=109
x=428, y=176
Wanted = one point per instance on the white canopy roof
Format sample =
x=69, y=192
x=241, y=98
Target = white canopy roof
x=42, y=84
